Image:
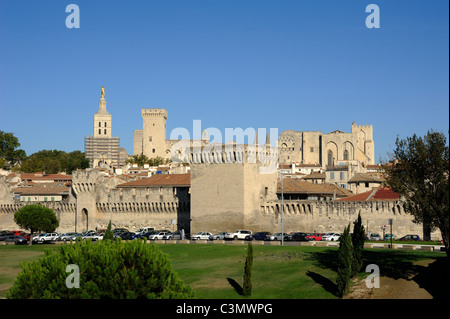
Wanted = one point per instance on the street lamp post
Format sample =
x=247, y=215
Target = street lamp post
x=282, y=210
x=110, y=196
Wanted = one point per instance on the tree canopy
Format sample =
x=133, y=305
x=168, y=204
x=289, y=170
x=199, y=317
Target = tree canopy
x=419, y=171
x=52, y=162
x=36, y=218
x=8, y=149
x=142, y=159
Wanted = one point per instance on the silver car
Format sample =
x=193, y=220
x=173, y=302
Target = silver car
x=219, y=236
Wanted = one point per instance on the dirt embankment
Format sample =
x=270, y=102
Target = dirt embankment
x=425, y=279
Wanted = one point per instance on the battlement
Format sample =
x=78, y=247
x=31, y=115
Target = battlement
x=361, y=127
x=368, y=129
x=154, y=113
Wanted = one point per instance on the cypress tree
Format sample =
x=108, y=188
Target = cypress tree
x=358, y=245
x=247, y=281
x=345, y=256
x=108, y=233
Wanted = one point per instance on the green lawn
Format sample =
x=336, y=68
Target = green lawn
x=215, y=271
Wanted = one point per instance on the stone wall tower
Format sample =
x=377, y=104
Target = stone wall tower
x=365, y=142
x=154, y=132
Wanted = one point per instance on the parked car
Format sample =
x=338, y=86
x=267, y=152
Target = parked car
x=146, y=235
x=277, y=236
x=66, y=236
x=158, y=235
x=331, y=237
x=18, y=240
x=388, y=237
x=144, y=230
x=127, y=235
x=26, y=236
x=45, y=238
x=238, y=234
x=118, y=231
x=374, y=236
x=315, y=237
x=174, y=235
x=220, y=236
x=410, y=237
x=75, y=237
x=5, y=235
x=299, y=236
x=201, y=235
x=93, y=236
x=262, y=235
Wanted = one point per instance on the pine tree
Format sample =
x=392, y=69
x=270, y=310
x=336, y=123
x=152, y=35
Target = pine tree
x=247, y=281
x=345, y=256
x=358, y=245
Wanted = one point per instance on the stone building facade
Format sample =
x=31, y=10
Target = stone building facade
x=315, y=147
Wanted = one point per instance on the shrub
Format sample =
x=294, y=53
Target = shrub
x=107, y=270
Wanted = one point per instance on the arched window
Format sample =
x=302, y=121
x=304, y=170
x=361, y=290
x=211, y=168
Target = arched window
x=330, y=158
x=345, y=155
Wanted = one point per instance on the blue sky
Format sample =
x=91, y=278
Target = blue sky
x=300, y=65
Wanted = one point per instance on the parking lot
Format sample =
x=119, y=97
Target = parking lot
x=239, y=237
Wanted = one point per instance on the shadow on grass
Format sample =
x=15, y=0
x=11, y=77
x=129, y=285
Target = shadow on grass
x=396, y=264
x=434, y=278
x=236, y=286
x=326, y=283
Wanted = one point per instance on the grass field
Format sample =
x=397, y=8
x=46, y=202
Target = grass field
x=215, y=271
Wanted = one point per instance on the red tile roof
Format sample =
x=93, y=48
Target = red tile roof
x=377, y=194
x=297, y=186
x=41, y=177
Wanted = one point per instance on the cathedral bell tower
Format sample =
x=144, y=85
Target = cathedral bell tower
x=102, y=119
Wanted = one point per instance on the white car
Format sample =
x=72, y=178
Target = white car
x=46, y=238
x=158, y=235
x=277, y=236
x=37, y=238
x=93, y=236
x=331, y=237
x=144, y=230
x=238, y=234
x=201, y=235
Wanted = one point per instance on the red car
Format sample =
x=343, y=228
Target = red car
x=315, y=236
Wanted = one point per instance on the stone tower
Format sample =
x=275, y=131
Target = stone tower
x=365, y=142
x=101, y=148
x=102, y=119
x=154, y=132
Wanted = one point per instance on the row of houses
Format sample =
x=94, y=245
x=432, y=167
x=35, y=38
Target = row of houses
x=300, y=181
x=349, y=175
